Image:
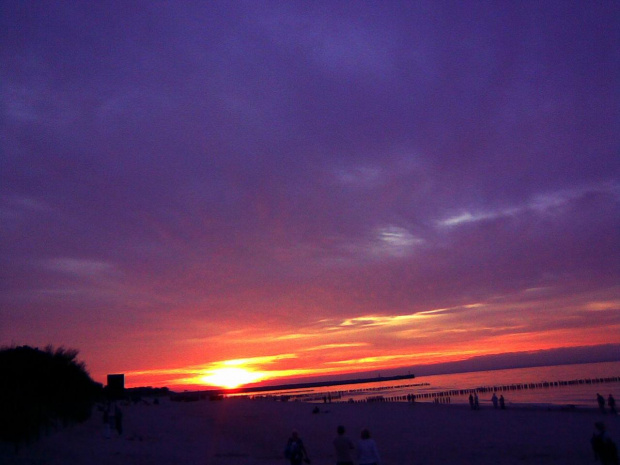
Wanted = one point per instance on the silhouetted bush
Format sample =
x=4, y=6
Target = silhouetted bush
x=42, y=389
x=138, y=393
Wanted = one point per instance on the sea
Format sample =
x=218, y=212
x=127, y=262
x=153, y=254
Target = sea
x=565, y=386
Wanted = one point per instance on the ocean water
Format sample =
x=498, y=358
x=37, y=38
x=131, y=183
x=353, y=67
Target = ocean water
x=583, y=382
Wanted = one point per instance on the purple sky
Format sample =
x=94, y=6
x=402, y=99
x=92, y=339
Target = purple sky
x=188, y=183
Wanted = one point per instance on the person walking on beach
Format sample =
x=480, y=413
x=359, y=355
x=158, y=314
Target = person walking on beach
x=604, y=448
x=495, y=400
x=118, y=420
x=295, y=450
x=344, y=448
x=601, y=402
x=612, y=404
x=476, y=401
x=106, y=421
x=471, y=401
x=502, y=403
x=367, y=453
x=112, y=417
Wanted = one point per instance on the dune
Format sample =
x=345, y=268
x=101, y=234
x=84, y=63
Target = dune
x=243, y=431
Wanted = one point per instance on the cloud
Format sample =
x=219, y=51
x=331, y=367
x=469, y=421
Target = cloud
x=337, y=44
x=541, y=204
x=337, y=346
x=342, y=181
x=20, y=104
x=396, y=241
x=18, y=207
x=80, y=267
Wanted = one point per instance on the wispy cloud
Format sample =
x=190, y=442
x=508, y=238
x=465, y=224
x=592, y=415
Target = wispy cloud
x=544, y=203
x=79, y=266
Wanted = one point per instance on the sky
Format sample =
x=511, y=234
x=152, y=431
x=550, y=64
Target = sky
x=225, y=192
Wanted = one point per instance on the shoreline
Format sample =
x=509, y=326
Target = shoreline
x=530, y=385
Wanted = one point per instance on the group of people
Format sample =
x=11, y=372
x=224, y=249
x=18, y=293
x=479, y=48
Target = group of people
x=498, y=402
x=611, y=403
x=365, y=452
x=501, y=403
x=474, y=403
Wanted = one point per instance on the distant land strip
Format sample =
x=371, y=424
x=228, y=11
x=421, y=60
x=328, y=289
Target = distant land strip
x=286, y=387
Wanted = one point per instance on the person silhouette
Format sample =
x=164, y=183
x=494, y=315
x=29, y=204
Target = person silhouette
x=295, y=450
x=502, y=402
x=367, y=453
x=601, y=402
x=344, y=448
x=495, y=400
x=604, y=448
x=118, y=420
x=612, y=404
x=106, y=421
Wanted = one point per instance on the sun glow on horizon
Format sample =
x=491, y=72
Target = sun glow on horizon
x=231, y=378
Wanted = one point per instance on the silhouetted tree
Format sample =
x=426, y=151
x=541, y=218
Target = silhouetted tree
x=40, y=389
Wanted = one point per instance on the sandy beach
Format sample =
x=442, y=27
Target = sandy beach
x=244, y=431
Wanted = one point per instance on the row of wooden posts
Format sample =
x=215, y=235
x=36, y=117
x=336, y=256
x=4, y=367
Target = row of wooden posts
x=463, y=392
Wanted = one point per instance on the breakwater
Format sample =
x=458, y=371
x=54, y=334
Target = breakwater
x=337, y=396
x=308, y=385
x=559, y=385
x=426, y=392
x=445, y=395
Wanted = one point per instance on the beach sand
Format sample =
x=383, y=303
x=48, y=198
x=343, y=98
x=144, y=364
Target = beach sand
x=244, y=431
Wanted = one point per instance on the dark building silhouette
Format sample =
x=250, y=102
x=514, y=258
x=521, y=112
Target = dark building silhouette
x=116, y=386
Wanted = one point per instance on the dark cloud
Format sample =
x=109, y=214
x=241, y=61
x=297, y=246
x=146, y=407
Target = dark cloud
x=233, y=162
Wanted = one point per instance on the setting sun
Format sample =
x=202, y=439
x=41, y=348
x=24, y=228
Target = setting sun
x=230, y=378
